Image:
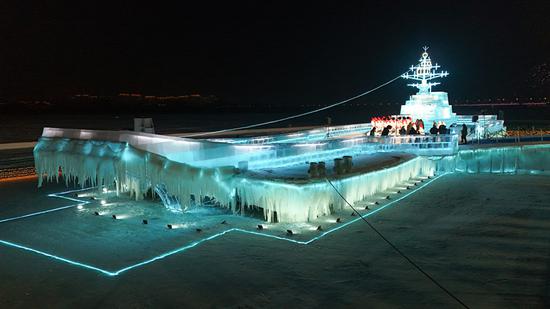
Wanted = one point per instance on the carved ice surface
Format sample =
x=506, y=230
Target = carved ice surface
x=532, y=159
x=136, y=171
x=430, y=107
x=170, y=201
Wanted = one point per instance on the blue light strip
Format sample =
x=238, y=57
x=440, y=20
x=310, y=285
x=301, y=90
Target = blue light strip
x=55, y=257
x=58, y=195
x=198, y=242
x=37, y=213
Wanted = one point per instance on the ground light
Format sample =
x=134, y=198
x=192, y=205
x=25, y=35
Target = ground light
x=57, y=195
x=192, y=244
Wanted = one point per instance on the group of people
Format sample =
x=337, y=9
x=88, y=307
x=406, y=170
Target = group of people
x=404, y=125
x=413, y=128
x=439, y=128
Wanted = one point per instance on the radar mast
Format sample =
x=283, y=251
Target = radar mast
x=424, y=72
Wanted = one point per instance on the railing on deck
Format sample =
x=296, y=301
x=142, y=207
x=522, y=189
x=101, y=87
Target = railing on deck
x=441, y=144
x=424, y=145
x=202, y=153
x=301, y=136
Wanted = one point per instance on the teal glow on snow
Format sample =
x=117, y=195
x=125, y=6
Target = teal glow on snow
x=192, y=244
x=59, y=195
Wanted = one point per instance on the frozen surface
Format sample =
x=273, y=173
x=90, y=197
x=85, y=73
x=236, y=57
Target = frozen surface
x=223, y=152
x=87, y=216
x=485, y=242
x=361, y=164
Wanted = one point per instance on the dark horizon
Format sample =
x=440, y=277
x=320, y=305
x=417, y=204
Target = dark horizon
x=277, y=54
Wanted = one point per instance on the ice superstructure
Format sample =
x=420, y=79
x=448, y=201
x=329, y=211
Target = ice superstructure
x=427, y=105
x=433, y=106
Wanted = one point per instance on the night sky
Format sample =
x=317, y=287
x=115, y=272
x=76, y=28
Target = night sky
x=278, y=52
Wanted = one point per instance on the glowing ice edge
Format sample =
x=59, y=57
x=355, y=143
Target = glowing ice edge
x=192, y=244
x=136, y=171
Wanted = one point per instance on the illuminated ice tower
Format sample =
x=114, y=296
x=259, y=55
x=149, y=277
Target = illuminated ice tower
x=427, y=105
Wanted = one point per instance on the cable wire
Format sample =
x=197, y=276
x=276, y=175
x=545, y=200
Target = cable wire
x=298, y=115
x=399, y=251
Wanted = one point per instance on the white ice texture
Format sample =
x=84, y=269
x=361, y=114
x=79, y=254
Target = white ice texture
x=525, y=159
x=430, y=107
x=136, y=171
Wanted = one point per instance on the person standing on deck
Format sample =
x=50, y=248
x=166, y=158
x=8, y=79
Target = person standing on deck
x=464, y=132
x=372, y=131
x=442, y=128
x=434, y=130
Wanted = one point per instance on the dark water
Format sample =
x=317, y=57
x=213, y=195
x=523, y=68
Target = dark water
x=17, y=128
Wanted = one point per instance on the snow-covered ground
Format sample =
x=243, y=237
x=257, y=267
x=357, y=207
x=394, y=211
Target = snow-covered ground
x=484, y=237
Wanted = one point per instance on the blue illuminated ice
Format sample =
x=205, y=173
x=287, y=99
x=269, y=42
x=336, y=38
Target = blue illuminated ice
x=135, y=171
x=526, y=159
x=427, y=105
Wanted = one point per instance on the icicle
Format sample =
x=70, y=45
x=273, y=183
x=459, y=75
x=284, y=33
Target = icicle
x=303, y=202
x=135, y=171
x=514, y=159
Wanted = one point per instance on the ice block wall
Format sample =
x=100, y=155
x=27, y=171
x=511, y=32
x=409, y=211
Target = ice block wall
x=88, y=162
x=136, y=171
x=303, y=202
x=533, y=159
x=95, y=162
